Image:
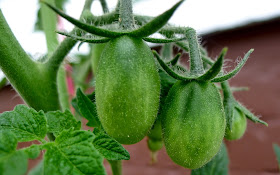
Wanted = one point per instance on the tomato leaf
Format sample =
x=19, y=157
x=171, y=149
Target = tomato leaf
x=73, y=153
x=108, y=147
x=88, y=109
x=32, y=151
x=59, y=121
x=26, y=123
x=74, y=102
x=11, y=161
x=277, y=152
x=217, y=166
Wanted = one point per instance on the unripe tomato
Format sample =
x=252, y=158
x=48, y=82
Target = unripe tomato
x=127, y=89
x=239, y=124
x=193, y=123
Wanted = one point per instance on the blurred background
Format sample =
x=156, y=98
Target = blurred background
x=239, y=25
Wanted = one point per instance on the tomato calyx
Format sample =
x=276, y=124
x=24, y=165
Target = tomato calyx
x=147, y=29
x=231, y=104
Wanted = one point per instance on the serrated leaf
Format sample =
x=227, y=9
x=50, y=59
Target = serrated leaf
x=26, y=123
x=217, y=166
x=73, y=153
x=108, y=147
x=32, y=151
x=88, y=109
x=277, y=152
x=74, y=102
x=58, y=121
x=11, y=161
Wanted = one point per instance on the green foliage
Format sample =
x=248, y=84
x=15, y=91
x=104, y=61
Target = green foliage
x=87, y=108
x=73, y=153
x=26, y=123
x=108, y=147
x=217, y=166
x=59, y=121
x=11, y=161
x=33, y=151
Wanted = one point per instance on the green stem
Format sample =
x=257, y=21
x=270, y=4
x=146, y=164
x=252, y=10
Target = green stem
x=29, y=78
x=116, y=166
x=104, y=6
x=61, y=51
x=67, y=44
x=49, y=20
x=196, y=64
x=107, y=18
x=63, y=88
x=126, y=14
x=87, y=5
x=167, y=51
x=226, y=90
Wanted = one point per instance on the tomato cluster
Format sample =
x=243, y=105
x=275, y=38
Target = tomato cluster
x=192, y=120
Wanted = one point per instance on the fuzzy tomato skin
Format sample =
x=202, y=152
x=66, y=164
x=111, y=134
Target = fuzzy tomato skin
x=239, y=125
x=127, y=89
x=193, y=123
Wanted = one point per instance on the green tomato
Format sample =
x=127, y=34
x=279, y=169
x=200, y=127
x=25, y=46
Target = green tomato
x=193, y=123
x=127, y=89
x=239, y=124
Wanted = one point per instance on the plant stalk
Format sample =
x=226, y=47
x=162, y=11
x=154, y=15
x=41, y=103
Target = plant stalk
x=29, y=78
x=104, y=6
x=196, y=64
x=226, y=90
x=116, y=166
x=126, y=14
x=50, y=21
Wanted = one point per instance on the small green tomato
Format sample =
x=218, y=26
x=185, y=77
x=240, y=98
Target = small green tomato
x=193, y=123
x=239, y=124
